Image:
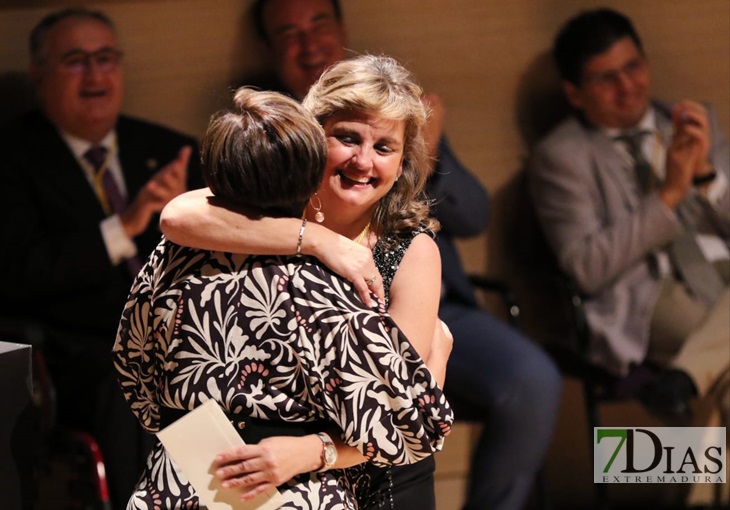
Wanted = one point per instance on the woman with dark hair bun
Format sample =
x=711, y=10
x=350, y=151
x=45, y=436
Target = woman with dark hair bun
x=371, y=206
x=286, y=347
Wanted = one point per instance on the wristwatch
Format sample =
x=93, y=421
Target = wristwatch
x=701, y=180
x=329, y=452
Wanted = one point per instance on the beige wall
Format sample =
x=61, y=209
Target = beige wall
x=486, y=58
x=481, y=56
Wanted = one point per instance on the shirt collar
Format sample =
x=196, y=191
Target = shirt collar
x=647, y=123
x=79, y=146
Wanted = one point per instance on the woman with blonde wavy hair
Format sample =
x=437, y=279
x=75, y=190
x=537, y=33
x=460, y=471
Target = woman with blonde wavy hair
x=369, y=222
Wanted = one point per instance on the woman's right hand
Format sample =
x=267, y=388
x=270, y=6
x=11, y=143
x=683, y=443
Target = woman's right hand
x=686, y=153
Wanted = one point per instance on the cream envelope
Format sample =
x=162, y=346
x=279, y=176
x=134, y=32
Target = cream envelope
x=193, y=441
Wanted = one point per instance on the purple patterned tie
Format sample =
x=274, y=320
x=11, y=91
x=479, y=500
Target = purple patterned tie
x=113, y=201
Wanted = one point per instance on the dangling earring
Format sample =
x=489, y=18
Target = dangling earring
x=319, y=215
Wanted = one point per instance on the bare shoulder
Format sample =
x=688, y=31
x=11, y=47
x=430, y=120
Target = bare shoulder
x=421, y=262
x=423, y=249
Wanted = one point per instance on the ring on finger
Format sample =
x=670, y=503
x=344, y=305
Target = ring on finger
x=371, y=280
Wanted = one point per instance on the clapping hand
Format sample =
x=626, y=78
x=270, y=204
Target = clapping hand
x=167, y=183
x=687, y=153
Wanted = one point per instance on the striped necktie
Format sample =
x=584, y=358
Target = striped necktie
x=111, y=198
x=645, y=176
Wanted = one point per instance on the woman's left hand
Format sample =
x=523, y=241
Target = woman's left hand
x=348, y=259
x=253, y=469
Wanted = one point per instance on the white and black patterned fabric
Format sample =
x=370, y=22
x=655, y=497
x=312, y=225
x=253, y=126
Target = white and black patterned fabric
x=277, y=338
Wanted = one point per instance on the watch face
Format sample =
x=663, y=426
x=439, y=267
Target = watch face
x=330, y=454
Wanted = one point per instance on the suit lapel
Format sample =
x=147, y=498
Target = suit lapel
x=129, y=160
x=58, y=169
x=138, y=162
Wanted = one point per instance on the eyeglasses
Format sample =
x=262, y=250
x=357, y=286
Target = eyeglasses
x=612, y=78
x=106, y=60
x=289, y=35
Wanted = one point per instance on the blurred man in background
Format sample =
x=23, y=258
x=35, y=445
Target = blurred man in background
x=81, y=188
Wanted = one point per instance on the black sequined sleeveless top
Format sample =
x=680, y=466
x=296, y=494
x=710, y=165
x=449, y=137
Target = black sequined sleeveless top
x=373, y=485
x=388, y=259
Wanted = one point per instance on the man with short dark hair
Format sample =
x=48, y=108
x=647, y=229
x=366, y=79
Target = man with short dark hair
x=81, y=188
x=493, y=372
x=633, y=197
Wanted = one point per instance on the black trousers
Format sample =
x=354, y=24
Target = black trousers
x=400, y=487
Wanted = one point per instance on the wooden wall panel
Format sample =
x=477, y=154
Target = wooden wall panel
x=182, y=56
x=486, y=58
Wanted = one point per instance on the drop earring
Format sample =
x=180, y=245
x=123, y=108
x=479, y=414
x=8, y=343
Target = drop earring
x=318, y=215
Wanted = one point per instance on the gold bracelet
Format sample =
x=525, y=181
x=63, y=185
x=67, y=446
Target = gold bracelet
x=301, y=236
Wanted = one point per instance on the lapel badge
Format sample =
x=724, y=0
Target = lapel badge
x=151, y=164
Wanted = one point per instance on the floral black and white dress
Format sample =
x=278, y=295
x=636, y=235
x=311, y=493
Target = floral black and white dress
x=276, y=338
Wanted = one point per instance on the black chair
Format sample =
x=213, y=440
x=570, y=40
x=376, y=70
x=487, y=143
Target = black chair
x=504, y=292
x=558, y=315
x=571, y=355
x=488, y=286
x=599, y=386
x=70, y=458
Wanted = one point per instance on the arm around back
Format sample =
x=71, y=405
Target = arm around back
x=199, y=220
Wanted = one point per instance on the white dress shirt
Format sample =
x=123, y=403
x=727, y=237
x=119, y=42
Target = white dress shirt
x=118, y=245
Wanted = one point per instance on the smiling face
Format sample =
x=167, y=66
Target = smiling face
x=614, y=87
x=305, y=38
x=81, y=94
x=365, y=157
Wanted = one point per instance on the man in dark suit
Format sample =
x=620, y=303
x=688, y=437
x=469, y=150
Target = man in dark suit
x=622, y=189
x=75, y=227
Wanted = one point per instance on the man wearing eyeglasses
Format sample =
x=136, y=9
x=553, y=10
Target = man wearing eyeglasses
x=625, y=189
x=81, y=188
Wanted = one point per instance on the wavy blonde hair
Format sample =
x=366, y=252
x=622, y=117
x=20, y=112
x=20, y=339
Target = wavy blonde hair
x=380, y=86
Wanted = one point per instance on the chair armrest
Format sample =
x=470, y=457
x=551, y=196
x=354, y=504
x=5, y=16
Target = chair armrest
x=496, y=286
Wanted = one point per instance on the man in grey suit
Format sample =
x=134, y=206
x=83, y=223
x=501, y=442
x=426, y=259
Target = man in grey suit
x=617, y=188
